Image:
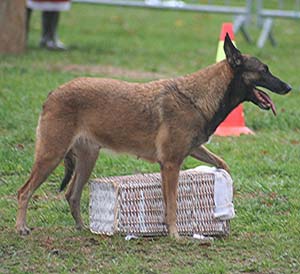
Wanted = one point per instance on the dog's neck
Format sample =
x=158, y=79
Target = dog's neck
x=211, y=89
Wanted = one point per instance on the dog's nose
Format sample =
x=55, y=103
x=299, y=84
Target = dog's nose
x=288, y=88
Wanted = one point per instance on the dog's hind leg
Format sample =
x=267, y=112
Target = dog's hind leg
x=86, y=155
x=203, y=154
x=49, y=152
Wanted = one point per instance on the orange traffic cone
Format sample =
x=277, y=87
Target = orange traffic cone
x=234, y=124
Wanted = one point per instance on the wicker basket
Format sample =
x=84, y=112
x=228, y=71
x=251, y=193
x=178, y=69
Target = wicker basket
x=134, y=205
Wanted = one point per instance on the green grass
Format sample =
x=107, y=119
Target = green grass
x=265, y=167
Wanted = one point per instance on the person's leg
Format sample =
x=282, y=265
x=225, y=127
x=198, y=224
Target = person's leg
x=49, y=38
x=58, y=44
x=28, y=15
x=46, y=29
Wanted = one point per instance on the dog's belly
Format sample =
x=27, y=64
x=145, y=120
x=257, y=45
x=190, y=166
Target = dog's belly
x=132, y=131
x=140, y=146
x=146, y=153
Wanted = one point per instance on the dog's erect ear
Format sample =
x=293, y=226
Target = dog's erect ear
x=233, y=55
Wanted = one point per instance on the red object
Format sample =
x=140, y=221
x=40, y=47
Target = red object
x=226, y=27
x=54, y=1
x=49, y=5
x=234, y=124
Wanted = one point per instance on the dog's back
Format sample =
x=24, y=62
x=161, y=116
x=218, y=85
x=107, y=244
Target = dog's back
x=121, y=116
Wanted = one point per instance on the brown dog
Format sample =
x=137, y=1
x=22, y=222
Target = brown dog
x=162, y=121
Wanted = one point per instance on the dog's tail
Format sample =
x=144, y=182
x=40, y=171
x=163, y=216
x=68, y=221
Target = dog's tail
x=69, y=162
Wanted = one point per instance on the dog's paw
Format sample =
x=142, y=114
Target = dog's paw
x=224, y=166
x=81, y=226
x=23, y=230
x=173, y=233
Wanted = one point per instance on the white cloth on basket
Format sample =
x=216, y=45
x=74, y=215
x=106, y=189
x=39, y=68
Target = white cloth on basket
x=223, y=192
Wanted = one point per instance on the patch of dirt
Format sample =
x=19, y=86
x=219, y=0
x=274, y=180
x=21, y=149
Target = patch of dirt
x=110, y=71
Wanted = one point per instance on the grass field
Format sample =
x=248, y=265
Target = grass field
x=140, y=45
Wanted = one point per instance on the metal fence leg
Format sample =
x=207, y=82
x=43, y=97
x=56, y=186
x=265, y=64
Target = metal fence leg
x=239, y=25
x=266, y=33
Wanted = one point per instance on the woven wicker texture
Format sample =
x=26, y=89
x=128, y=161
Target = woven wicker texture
x=134, y=205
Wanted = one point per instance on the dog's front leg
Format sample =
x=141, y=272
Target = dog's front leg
x=170, y=174
x=203, y=154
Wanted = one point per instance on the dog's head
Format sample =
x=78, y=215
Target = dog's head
x=254, y=73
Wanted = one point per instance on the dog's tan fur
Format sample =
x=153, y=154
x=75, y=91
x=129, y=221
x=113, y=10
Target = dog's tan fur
x=162, y=121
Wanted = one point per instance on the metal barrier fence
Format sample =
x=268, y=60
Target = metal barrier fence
x=241, y=12
x=285, y=9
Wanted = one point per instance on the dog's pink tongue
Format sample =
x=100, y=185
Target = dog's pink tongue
x=269, y=101
x=273, y=108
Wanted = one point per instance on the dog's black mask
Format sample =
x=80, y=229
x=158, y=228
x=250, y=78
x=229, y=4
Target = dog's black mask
x=254, y=73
